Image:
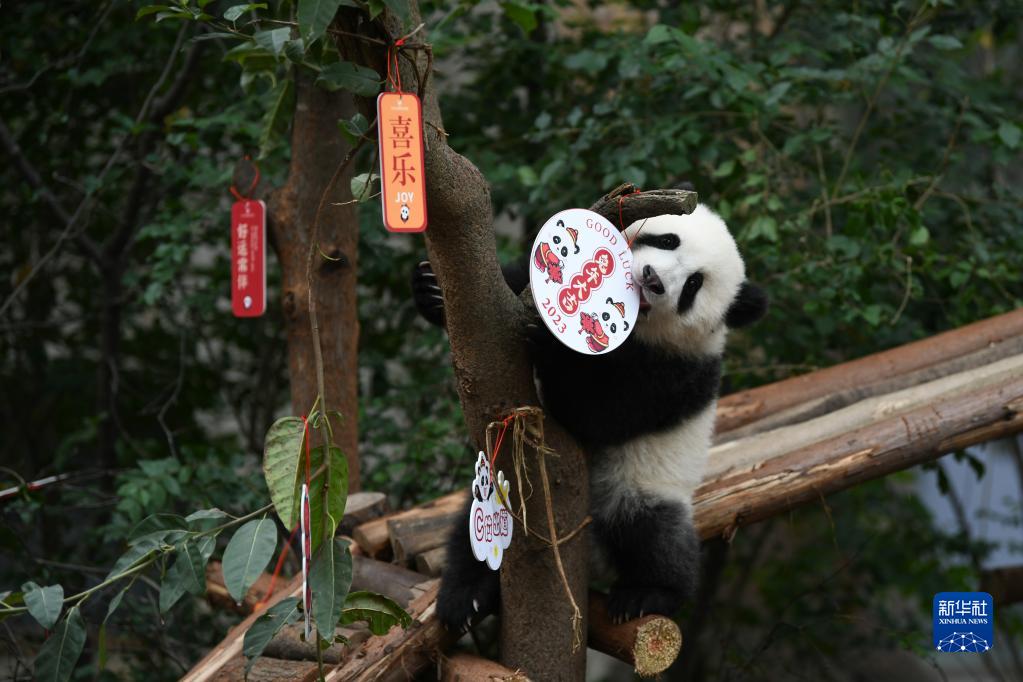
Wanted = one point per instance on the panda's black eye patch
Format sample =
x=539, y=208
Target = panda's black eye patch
x=689, y=291
x=666, y=242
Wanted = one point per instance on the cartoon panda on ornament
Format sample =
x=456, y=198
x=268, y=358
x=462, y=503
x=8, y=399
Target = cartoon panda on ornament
x=404, y=213
x=644, y=412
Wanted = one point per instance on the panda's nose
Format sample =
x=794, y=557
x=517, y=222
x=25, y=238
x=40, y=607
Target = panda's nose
x=651, y=281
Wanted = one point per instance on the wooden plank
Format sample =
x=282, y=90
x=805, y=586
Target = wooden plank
x=741, y=408
x=361, y=507
x=431, y=563
x=398, y=655
x=469, y=668
x=748, y=453
x=374, y=536
x=266, y=670
x=835, y=401
x=877, y=449
x=411, y=536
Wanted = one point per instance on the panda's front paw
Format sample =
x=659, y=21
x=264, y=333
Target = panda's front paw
x=427, y=294
x=627, y=602
x=459, y=604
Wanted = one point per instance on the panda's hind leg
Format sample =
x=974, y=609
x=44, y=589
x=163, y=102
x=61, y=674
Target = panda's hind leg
x=655, y=550
x=468, y=588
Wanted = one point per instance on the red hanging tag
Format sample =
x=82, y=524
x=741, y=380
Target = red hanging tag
x=402, y=161
x=248, y=258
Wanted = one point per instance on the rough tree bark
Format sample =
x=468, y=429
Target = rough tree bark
x=316, y=154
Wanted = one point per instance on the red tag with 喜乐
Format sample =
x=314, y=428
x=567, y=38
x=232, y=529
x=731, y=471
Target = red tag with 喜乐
x=402, y=161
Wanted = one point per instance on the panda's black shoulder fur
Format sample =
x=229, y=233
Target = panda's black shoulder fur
x=607, y=400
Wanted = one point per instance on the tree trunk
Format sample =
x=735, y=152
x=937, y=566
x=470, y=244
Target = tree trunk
x=485, y=322
x=316, y=153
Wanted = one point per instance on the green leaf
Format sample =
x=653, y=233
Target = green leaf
x=294, y=50
x=361, y=184
x=247, y=554
x=206, y=519
x=337, y=487
x=523, y=15
x=137, y=552
x=314, y=17
x=187, y=573
x=151, y=9
x=58, y=655
x=919, y=236
x=277, y=116
x=1009, y=134
x=330, y=579
x=158, y=527
x=232, y=13
x=44, y=603
x=354, y=129
x=660, y=33
x=273, y=40
x=945, y=42
x=348, y=76
x=377, y=610
x=102, y=643
x=282, y=455
x=266, y=628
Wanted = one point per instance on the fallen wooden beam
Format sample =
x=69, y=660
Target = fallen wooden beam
x=831, y=403
x=374, y=536
x=811, y=472
x=741, y=408
x=411, y=536
x=431, y=563
x=468, y=668
x=362, y=507
x=651, y=643
x=399, y=654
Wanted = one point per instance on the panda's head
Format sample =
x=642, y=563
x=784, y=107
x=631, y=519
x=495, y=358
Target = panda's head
x=693, y=282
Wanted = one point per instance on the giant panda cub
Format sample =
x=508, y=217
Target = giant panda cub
x=648, y=419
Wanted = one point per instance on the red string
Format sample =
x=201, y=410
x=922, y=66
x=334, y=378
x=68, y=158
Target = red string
x=255, y=181
x=500, y=439
x=277, y=568
x=621, y=220
x=392, y=53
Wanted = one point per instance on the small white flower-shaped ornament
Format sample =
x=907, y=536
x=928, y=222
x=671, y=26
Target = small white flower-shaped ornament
x=490, y=524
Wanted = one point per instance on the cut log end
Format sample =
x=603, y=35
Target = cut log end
x=658, y=643
x=650, y=643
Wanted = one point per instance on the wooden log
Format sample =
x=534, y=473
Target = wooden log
x=401, y=653
x=747, y=453
x=648, y=204
x=290, y=645
x=231, y=647
x=835, y=401
x=396, y=582
x=266, y=670
x=374, y=537
x=412, y=536
x=431, y=563
x=469, y=668
x=217, y=594
x=651, y=643
x=741, y=408
x=362, y=507
x=1004, y=584
x=877, y=449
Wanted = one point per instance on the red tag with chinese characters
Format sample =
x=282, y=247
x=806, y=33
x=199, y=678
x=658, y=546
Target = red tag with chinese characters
x=402, y=161
x=248, y=258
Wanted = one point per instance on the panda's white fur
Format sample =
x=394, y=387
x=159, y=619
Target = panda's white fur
x=707, y=247
x=669, y=464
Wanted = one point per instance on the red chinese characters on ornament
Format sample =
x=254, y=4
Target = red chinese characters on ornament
x=248, y=258
x=582, y=285
x=402, y=161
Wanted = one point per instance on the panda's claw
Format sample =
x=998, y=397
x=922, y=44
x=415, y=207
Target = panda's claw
x=475, y=605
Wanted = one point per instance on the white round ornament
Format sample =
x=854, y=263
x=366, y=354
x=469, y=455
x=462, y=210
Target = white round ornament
x=490, y=524
x=580, y=274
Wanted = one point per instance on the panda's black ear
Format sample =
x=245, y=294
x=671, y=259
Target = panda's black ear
x=750, y=305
